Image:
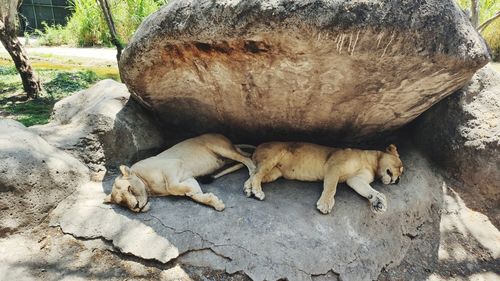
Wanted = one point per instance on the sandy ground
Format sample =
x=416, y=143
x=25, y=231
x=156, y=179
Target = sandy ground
x=105, y=54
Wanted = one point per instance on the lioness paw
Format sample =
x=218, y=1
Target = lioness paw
x=259, y=195
x=325, y=207
x=219, y=206
x=378, y=203
x=247, y=188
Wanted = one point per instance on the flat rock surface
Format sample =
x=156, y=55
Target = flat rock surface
x=34, y=177
x=260, y=69
x=283, y=236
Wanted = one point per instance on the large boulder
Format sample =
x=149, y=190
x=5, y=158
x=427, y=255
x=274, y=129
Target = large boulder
x=462, y=133
x=282, y=237
x=34, y=177
x=289, y=69
x=102, y=127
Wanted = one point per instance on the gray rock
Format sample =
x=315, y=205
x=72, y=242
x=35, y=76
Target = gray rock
x=262, y=69
x=34, y=176
x=462, y=133
x=102, y=126
x=283, y=236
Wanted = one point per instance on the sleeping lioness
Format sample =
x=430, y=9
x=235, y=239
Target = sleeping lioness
x=310, y=162
x=173, y=172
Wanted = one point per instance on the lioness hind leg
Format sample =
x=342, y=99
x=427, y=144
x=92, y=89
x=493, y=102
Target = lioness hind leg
x=229, y=151
x=256, y=180
x=378, y=202
x=273, y=175
x=195, y=193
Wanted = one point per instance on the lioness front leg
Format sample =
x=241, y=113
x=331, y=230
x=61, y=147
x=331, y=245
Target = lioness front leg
x=378, y=202
x=327, y=200
x=193, y=190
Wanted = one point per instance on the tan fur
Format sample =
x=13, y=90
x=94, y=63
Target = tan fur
x=173, y=172
x=310, y=162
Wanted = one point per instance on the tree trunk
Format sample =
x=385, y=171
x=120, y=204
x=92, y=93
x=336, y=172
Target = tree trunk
x=31, y=83
x=474, y=9
x=111, y=25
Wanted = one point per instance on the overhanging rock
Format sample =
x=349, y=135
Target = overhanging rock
x=265, y=69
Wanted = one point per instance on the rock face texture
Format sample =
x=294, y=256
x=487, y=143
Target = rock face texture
x=102, y=127
x=283, y=236
x=34, y=176
x=268, y=69
x=462, y=133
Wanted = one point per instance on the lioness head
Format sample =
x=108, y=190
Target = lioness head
x=390, y=166
x=129, y=191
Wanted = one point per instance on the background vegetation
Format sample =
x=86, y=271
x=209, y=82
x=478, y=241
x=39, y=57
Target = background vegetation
x=87, y=26
x=487, y=8
x=60, y=78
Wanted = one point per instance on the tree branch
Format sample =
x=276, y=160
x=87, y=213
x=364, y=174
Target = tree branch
x=474, y=7
x=111, y=25
x=488, y=21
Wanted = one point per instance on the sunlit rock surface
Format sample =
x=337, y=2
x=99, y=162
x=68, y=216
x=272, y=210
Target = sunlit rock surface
x=266, y=69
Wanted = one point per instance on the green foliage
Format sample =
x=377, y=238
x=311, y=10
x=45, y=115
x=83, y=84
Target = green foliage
x=54, y=35
x=32, y=112
x=57, y=85
x=9, y=79
x=128, y=15
x=491, y=34
x=69, y=82
x=8, y=70
x=87, y=26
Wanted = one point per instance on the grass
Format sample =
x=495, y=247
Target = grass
x=60, y=78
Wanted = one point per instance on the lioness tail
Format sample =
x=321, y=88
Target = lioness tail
x=247, y=146
x=210, y=178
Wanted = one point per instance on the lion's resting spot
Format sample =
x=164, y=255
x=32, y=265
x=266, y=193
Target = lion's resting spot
x=280, y=237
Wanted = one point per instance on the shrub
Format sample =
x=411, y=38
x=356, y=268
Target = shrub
x=491, y=34
x=129, y=14
x=87, y=26
x=54, y=35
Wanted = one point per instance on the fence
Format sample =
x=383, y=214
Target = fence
x=33, y=12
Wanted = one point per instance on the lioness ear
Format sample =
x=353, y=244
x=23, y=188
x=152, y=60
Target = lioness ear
x=108, y=199
x=125, y=170
x=391, y=149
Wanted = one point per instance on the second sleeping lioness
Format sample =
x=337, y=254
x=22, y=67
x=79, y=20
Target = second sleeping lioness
x=311, y=162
